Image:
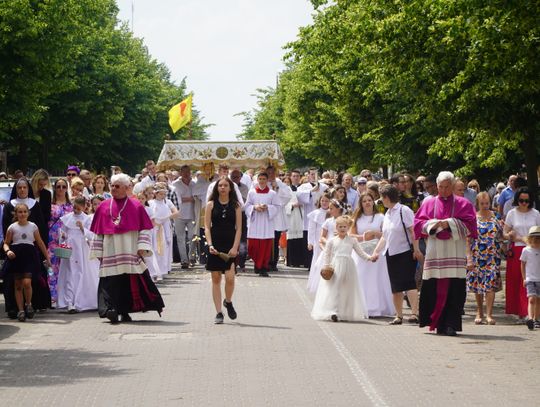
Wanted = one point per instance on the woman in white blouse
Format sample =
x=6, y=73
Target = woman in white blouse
x=518, y=222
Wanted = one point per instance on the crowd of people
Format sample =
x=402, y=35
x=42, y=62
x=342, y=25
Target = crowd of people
x=369, y=243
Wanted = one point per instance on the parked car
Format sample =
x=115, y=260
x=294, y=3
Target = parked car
x=5, y=189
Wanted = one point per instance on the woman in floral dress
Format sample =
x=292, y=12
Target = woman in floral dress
x=61, y=205
x=484, y=260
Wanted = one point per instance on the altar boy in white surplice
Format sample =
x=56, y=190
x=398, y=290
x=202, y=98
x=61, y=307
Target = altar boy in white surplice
x=261, y=208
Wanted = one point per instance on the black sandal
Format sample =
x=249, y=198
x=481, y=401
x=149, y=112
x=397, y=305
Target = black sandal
x=413, y=319
x=396, y=321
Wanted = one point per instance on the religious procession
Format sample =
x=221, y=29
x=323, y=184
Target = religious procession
x=269, y=203
x=366, y=244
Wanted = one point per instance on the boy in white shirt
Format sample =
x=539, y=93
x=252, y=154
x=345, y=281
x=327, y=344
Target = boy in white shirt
x=530, y=271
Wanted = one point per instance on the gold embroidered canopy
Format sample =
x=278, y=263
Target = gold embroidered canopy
x=198, y=154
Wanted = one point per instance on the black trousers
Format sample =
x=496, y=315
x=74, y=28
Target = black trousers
x=296, y=252
x=309, y=253
x=275, y=251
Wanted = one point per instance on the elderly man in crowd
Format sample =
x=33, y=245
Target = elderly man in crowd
x=507, y=193
x=352, y=194
x=445, y=221
x=122, y=239
x=461, y=189
x=86, y=177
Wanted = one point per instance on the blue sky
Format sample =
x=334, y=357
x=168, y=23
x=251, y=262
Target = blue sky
x=226, y=48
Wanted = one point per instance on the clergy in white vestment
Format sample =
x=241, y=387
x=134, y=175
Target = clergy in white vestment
x=296, y=247
x=283, y=194
x=261, y=208
x=308, y=195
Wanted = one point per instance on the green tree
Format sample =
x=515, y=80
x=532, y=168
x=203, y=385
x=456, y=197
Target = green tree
x=422, y=85
x=89, y=93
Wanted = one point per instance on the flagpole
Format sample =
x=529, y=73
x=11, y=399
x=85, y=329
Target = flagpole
x=189, y=131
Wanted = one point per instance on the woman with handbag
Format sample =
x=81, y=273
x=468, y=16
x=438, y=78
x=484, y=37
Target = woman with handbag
x=402, y=252
x=372, y=276
x=339, y=296
x=484, y=259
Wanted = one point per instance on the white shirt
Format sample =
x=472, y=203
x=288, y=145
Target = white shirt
x=283, y=195
x=308, y=198
x=532, y=267
x=143, y=184
x=352, y=198
x=201, y=187
x=236, y=189
x=183, y=190
x=521, y=222
x=393, y=233
x=246, y=180
x=330, y=226
x=22, y=234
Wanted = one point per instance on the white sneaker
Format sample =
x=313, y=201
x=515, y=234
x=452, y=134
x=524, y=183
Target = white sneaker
x=71, y=309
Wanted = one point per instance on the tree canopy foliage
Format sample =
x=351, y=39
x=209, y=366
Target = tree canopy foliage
x=421, y=85
x=77, y=87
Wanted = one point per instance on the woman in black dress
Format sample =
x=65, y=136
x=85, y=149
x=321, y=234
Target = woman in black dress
x=41, y=297
x=223, y=228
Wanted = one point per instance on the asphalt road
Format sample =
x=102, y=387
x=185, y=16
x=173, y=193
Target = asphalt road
x=274, y=354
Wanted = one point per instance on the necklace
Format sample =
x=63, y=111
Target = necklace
x=118, y=219
x=224, y=208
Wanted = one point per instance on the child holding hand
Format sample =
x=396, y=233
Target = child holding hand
x=341, y=297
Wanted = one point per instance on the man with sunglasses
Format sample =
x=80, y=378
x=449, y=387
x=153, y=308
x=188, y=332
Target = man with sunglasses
x=72, y=171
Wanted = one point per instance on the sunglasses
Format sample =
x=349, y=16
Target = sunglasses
x=115, y=186
x=61, y=187
x=72, y=174
x=523, y=201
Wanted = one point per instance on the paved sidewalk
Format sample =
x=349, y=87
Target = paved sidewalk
x=274, y=354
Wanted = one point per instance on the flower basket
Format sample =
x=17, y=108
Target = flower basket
x=63, y=252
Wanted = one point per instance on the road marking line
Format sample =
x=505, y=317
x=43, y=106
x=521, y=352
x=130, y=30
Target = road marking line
x=359, y=374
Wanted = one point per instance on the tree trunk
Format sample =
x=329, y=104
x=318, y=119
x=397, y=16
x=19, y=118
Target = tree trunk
x=22, y=155
x=531, y=161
